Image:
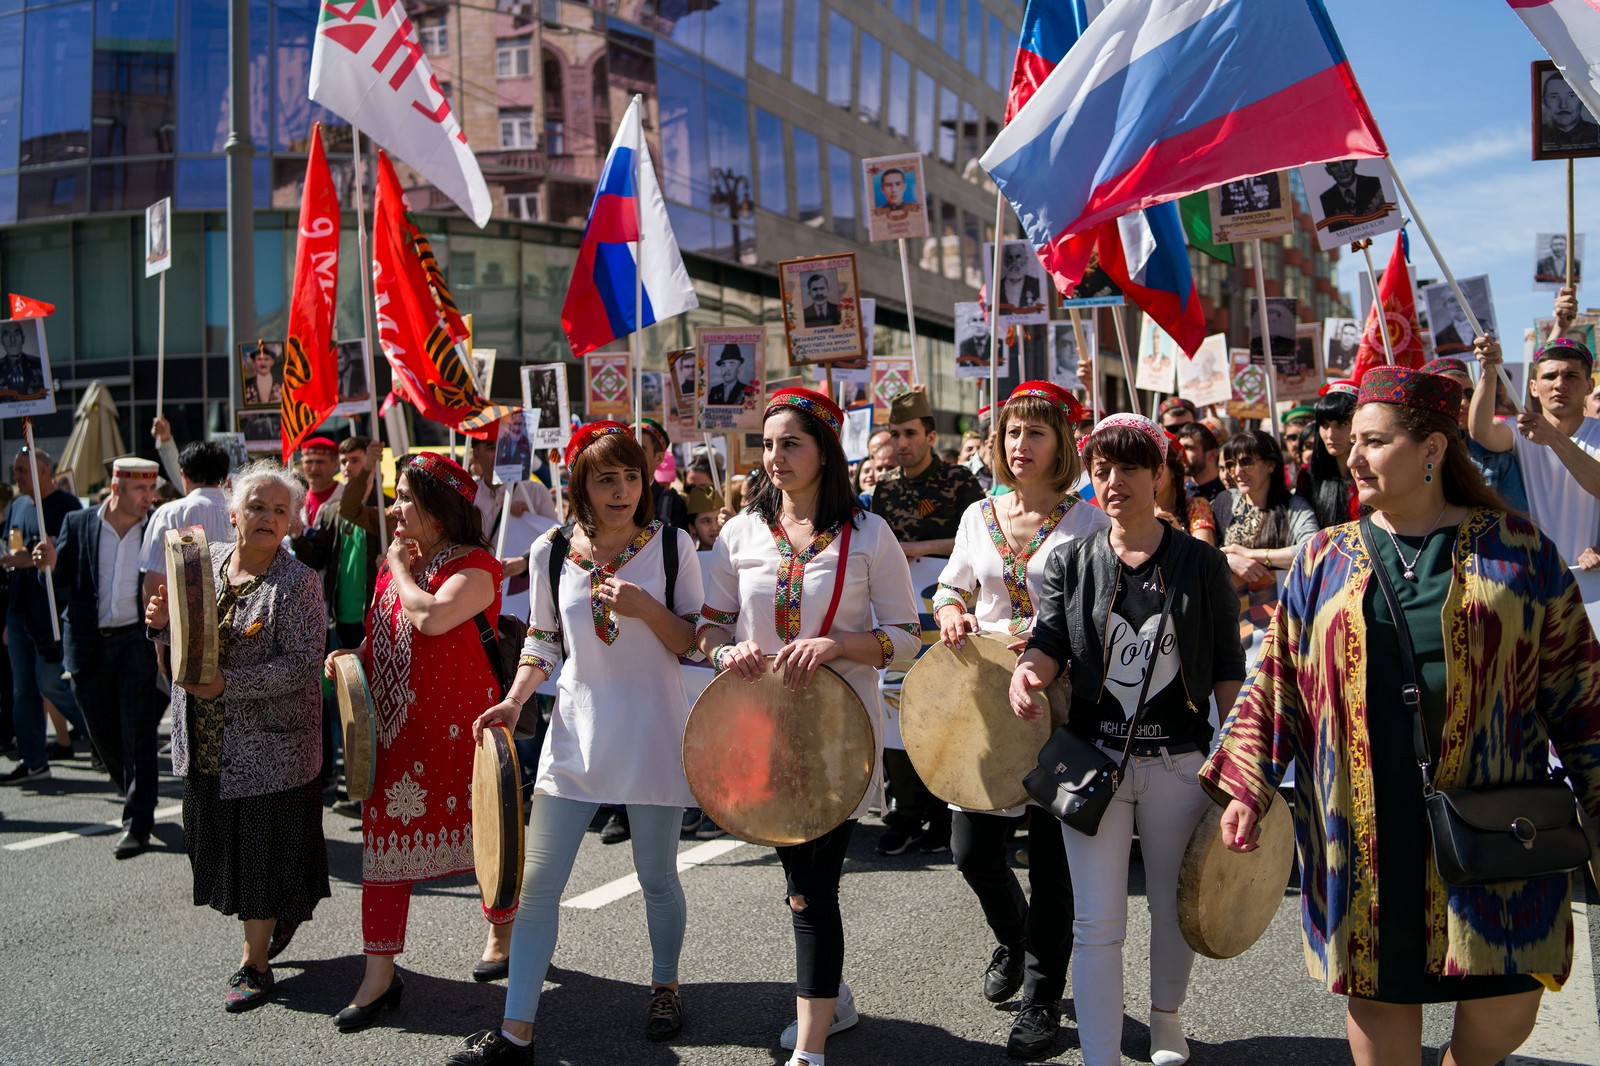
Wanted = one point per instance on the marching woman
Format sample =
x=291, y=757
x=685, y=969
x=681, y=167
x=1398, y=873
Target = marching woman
x=803, y=574
x=430, y=676
x=1174, y=505
x=1506, y=664
x=1326, y=481
x=618, y=724
x=1000, y=552
x=1145, y=619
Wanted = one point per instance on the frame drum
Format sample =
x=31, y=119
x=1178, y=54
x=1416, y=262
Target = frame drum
x=776, y=767
x=497, y=819
x=1226, y=899
x=355, y=715
x=959, y=732
x=192, y=606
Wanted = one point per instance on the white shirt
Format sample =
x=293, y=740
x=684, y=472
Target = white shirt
x=490, y=502
x=118, y=571
x=617, y=732
x=742, y=580
x=1558, y=505
x=204, y=507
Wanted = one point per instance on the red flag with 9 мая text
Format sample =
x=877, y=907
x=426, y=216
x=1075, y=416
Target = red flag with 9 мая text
x=310, y=369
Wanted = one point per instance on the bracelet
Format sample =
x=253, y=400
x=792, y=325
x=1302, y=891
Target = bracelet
x=716, y=657
x=509, y=698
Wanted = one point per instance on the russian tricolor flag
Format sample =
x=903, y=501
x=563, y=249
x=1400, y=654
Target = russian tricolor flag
x=1161, y=98
x=601, y=298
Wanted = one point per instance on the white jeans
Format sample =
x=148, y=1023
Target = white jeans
x=1163, y=796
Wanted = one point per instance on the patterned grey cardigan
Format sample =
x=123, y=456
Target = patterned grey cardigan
x=272, y=702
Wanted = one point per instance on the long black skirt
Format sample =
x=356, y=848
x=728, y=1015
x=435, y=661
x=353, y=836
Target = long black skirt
x=258, y=857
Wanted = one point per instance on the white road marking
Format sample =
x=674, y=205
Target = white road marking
x=1566, y=1030
x=96, y=829
x=623, y=887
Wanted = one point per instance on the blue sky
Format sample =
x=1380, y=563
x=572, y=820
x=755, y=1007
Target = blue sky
x=1448, y=83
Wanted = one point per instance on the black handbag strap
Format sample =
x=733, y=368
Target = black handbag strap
x=1410, y=691
x=1171, y=580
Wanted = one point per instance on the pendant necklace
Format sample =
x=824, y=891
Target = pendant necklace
x=1409, y=571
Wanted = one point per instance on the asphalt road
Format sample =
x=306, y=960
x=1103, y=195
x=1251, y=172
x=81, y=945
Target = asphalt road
x=108, y=962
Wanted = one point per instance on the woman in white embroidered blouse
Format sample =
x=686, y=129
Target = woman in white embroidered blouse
x=1000, y=553
x=769, y=583
x=617, y=727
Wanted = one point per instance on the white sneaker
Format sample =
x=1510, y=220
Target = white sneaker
x=1167, y=1045
x=845, y=1016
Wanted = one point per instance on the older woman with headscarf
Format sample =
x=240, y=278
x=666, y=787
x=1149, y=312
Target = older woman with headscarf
x=249, y=744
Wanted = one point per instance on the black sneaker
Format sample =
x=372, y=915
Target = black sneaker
x=1033, y=1034
x=490, y=1046
x=1003, y=976
x=616, y=830
x=691, y=821
x=20, y=774
x=896, y=841
x=935, y=843
x=58, y=752
x=665, y=1016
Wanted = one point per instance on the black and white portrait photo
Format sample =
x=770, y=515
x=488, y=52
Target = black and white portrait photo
x=1263, y=192
x=1452, y=332
x=650, y=393
x=25, y=383
x=730, y=378
x=1550, y=261
x=352, y=388
x=1020, y=295
x=263, y=430
x=157, y=237
x=1350, y=200
x=1563, y=127
x=544, y=386
x=1341, y=338
x=821, y=307
x=972, y=340
x=1252, y=208
x=1066, y=361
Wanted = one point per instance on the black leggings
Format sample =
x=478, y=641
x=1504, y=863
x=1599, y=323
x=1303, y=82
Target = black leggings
x=812, y=871
x=978, y=845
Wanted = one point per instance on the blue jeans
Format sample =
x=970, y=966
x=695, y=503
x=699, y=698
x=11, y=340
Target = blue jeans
x=554, y=834
x=31, y=678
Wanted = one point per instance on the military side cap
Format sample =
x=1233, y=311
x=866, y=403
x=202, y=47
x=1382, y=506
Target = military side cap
x=703, y=499
x=909, y=406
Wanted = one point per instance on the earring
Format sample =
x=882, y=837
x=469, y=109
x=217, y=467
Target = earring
x=1428, y=477
x=438, y=527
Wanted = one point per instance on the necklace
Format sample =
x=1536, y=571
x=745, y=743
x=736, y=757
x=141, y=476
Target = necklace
x=1410, y=567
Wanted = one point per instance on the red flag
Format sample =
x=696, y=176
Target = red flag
x=28, y=307
x=311, y=369
x=418, y=326
x=1395, y=305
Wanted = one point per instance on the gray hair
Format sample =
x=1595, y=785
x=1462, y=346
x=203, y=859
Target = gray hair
x=265, y=472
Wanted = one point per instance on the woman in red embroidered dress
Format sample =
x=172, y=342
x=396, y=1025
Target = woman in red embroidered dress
x=429, y=677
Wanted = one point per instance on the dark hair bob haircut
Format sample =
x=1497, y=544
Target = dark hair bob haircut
x=1258, y=444
x=462, y=523
x=609, y=452
x=1121, y=446
x=1334, y=407
x=836, y=500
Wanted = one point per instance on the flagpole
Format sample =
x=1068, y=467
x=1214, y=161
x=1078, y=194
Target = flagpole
x=1444, y=268
x=638, y=268
x=1127, y=363
x=1266, y=340
x=161, y=331
x=711, y=461
x=911, y=313
x=1372, y=276
x=1078, y=335
x=1571, y=228
x=365, y=272
x=38, y=509
x=994, y=306
x=1094, y=373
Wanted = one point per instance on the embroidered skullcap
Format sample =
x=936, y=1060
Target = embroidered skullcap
x=1447, y=364
x=1564, y=348
x=812, y=403
x=1157, y=435
x=656, y=431
x=1052, y=393
x=1406, y=387
x=588, y=435
x=1300, y=411
x=442, y=468
x=132, y=468
x=1342, y=386
x=1176, y=403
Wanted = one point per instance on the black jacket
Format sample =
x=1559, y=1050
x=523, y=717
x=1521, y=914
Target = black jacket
x=77, y=580
x=1080, y=583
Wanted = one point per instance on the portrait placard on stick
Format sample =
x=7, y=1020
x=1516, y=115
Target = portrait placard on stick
x=1550, y=261
x=262, y=430
x=544, y=388
x=1249, y=386
x=482, y=363
x=1095, y=290
x=1563, y=128
x=261, y=374
x=1308, y=349
x=821, y=308
x=1341, y=339
x=895, y=201
x=1022, y=289
x=1064, y=355
x=158, y=237
x=1296, y=379
x=1351, y=200
x=1447, y=321
x=732, y=368
x=891, y=375
x=513, y=449
x=353, y=389
x=855, y=371
x=650, y=394
x=857, y=431
x=1157, y=370
x=1204, y=379
x=26, y=386
x=972, y=343
x=607, y=393
x=681, y=382
x=1251, y=208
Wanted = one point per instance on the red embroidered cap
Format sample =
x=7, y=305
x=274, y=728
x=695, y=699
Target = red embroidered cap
x=1564, y=348
x=1343, y=385
x=1405, y=387
x=588, y=435
x=1049, y=390
x=442, y=468
x=656, y=431
x=1157, y=435
x=1176, y=403
x=813, y=403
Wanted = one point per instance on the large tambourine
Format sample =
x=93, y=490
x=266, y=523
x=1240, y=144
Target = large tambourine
x=497, y=827
x=958, y=727
x=777, y=767
x=1226, y=899
x=356, y=720
x=191, y=606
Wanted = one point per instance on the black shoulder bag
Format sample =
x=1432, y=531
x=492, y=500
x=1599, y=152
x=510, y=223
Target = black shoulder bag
x=1074, y=780
x=1484, y=835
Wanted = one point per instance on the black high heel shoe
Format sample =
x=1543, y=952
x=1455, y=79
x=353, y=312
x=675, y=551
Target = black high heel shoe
x=354, y=1019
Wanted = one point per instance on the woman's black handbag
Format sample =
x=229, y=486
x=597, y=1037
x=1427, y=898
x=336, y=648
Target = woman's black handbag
x=1074, y=780
x=1485, y=835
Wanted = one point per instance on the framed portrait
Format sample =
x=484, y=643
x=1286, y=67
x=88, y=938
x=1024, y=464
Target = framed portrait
x=1341, y=340
x=544, y=389
x=260, y=374
x=1582, y=330
x=233, y=444
x=262, y=430
x=1095, y=290
x=857, y=431
x=1249, y=386
x=650, y=400
x=895, y=200
x=821, y=308
x=1563, y=126
x=1350, y=200
x=1205, y=379
x=26, y=384
x=1550, y=261
x=855, y=371
x=1157, y=368
x=972, y=342
x=158, y=237
x=1065, y=358
x=608, y=391
x=354, y=390
x=514, y=447
x=1447, y=320
x=681, y=381
x=1308, y=349
x=483, y=360
x=732, y=373
x=891, y=375
x=1252, y=208
x=1295, y=380
x=1023, y=289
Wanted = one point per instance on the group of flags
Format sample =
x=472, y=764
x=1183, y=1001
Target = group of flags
x=1120, y=115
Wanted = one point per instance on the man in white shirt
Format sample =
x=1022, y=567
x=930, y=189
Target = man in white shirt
x=203, y=466
x=113, y=666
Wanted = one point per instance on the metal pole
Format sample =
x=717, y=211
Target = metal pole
x=911, y=312
x=637, y=347
x=241, y=197
x=1377, y=305
x=1266, y=341
x=365, y=272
